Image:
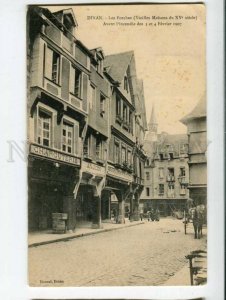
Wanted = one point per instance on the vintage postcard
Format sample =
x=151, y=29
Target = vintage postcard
x=117, y=164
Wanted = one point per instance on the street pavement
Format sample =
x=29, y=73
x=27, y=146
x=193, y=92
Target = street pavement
x=148, y=254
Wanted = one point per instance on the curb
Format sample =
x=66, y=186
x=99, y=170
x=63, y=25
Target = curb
x=64, y=239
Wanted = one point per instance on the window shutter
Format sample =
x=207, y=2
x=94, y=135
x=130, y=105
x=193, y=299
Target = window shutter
x=48, y=63
x=72, y=80
x=76, y=139
x=84, y=91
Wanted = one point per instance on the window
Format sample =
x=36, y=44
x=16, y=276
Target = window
x=99, y=66
x=67, y=30
x=131, y=121
x=123, y=155
x=183, y=189
x=93, y=98
x=129, y=153
x=124, y=112
x=102, y=105
x=76, y=82
x=98, y=148
x=170, y=155
x=182, y=172
x=161, y=173
x=117, y=153
x=44, y=128
x=126, y=85
x=160, y=156
x=52, y=65
x=148, y=175
x=147, y=191
x=171, y=190
x=171, y=171
x=67, y=137
x=118, y=106
x=161, y=189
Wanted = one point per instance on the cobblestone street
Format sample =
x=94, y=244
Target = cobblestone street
x=148, y=254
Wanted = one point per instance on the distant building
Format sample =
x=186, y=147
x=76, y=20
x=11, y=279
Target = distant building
x=197, y=140
x=166, y=170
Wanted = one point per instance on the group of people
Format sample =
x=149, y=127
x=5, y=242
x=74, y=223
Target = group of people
x=152, y=215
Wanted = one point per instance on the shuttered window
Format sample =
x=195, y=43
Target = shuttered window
x=44, y=128
x=52, y=65
x=67, y=138
x=76, y=82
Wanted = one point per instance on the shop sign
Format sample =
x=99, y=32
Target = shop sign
x=55, y=155
x=118, y=173
x=93, y=169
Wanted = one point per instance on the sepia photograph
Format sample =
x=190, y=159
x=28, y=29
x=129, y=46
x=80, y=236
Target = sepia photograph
x=117, y=137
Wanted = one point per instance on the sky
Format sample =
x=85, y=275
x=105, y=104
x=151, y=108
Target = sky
x=169, y=59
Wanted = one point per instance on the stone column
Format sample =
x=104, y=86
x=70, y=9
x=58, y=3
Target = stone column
x=121, y=211
x=96, y=210
x=69, y=207
x=136, y=215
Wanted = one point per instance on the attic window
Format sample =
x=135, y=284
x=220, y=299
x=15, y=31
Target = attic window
x=126, y=85
x=68, y=28
x=99, y=66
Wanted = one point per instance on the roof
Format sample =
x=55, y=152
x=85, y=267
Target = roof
x=198, y=112
x=116, y=64
x=140, y=89
x=153, y=119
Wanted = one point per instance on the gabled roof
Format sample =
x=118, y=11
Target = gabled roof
x=198, y=112
x=116, y=64
x=140, y=89
x=68, y=12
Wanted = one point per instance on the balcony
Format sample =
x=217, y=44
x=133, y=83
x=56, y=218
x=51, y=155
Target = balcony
x=182, y=179
x=170, y=178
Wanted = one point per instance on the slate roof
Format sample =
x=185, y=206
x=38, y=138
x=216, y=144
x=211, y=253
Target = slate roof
x=198, y=112
x=117, y=64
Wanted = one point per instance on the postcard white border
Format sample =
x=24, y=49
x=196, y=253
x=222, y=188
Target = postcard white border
x=13, y=192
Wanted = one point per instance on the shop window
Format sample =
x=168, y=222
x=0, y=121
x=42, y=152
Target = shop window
x=148, y=175
x=52, y=65
x=76, y=82
x=44, y=127
x=102, y=105
x=147, y=191
x=67, y=137
x=161, y=189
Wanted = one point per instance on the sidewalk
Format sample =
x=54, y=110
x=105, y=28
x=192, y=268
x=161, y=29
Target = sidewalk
x=47, y=237
x=182, y=277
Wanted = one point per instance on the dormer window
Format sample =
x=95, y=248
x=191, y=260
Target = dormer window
x=68, y=28
x=100, y=66
x=126, y=85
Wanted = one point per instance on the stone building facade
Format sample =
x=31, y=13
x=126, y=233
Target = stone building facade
x=197, y=141
x=166, y=171
x=86, y=123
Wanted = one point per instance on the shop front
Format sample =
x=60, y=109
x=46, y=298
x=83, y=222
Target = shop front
x=88, y=200
x=52, y=177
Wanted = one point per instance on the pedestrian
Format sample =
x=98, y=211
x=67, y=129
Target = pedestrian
x=157, y=215
x=141, y=216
